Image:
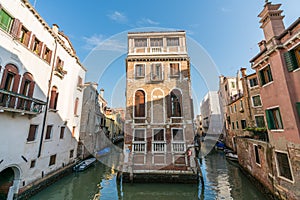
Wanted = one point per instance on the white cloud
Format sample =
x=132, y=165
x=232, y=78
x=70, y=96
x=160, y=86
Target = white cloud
x=118, y=17
x=101, y=43
x=146, y=21
x=225, y=10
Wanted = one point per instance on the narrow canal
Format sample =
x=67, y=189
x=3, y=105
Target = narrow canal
x=223, y=180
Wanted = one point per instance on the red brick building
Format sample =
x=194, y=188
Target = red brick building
x=277, y=67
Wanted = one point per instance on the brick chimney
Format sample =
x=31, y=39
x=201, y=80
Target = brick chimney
x=243, y=71
x=102, y=92
x=262, y=45
x=271, y=20
x=55, y=28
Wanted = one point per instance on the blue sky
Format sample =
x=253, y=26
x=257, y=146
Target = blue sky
x=227, y=30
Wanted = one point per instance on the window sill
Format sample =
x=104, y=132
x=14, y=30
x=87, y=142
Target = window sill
x=48, y=140
x=286, y=179
x=139, y=77
x=31, y=142
x=277, y=130
x=269, y=83
x=52, y=110
x=296, y=70
x=76, y=115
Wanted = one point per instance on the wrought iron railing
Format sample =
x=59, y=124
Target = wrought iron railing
x=20, y=103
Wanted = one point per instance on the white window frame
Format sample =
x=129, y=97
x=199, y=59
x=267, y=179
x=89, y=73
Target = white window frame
x=135, y=72
x=290, y=165
x=253, y=101
x=157, y=142
x=258, y=164
x=133, y=109
x=139, y=142
x=162, y=71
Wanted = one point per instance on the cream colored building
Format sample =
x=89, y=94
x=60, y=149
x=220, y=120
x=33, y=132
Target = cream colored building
x=158, y=122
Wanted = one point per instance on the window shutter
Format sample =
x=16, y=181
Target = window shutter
x=27, y=38
x=298, y=108
x=4, y=76
x=168, y=100
x=261, y=78
x=290, y=60
x=31, y=89
x=49, y=57
x=40, y=48
x=270, y=119
x=32, y=42
x=143, y=70
x=16, y=83
x=15, y=28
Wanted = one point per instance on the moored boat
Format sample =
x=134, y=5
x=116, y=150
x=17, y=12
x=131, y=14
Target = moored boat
x=84, y=164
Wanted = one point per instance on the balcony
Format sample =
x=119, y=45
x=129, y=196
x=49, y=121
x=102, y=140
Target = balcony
x=16, y=103
x=158, y=147
x=139, y=147
x=258, y=133
x=178, y=147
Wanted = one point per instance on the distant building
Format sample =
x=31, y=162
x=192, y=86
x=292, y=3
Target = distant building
x=230, y=89
x=40, y=99
x=159, y=117
x=90, y=140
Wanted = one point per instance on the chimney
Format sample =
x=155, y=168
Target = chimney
x=271, y=20
x=243, y=71
x=102, y=92
x=55, y=28
x=262, y=45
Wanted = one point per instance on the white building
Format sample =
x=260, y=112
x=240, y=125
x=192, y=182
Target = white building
x=212, y=119
x=38, y=67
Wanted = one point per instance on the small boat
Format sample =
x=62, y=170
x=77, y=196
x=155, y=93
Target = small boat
x=220, y=145
x=232, y=156
x=84, y=164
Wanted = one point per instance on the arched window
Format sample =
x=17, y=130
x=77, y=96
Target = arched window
x=26, y=89
x=76, y=106
x=139, y=104
x=176, y=103
x=10, y=79
x=10, y=82
x=53, y=98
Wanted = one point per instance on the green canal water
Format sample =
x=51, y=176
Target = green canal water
x=223, y=180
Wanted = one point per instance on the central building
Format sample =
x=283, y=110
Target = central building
x=159, y=113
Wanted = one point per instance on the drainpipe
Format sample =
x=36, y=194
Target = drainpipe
x=47, y=100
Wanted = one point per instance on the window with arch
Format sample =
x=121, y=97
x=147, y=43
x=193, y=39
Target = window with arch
x=26, y=89
x=176, y=101
x=76, y=106
x=53, y=98
x=10, y=82
x=139, y=104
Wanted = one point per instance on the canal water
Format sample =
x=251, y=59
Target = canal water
x=222, y=178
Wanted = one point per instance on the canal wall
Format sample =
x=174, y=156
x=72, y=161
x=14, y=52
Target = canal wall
x=37, y=186
x=257, y=162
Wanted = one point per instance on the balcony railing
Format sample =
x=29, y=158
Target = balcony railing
x=139, y=147
x=158, y=147
x=13, y=102
x=178, y=146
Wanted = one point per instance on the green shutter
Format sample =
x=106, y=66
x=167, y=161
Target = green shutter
x=270, y=120
x=290, y=60
x=5, y=20
x=298, y=108
x=261, y=78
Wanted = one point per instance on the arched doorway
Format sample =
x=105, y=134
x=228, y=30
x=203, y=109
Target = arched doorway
x=9, y=183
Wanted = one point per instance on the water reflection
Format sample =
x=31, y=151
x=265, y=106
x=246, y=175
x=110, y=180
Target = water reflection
x=223, y=180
